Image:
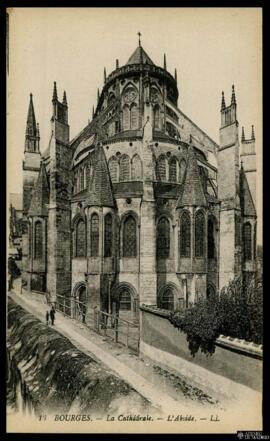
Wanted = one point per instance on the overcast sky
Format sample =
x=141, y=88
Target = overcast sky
x=211, y=49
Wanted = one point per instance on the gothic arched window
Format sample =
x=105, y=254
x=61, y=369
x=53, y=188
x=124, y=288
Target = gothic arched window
x=185, y=234
x=113, y=168
x=136, y=168
x=199, y=234
x=247, y=241
x=211, y=239
x=134, y=116
x=38, y=243
x=126, y=118
x=167, y=300
x=94, y=232
x=156, y=117
x=163, y=238
x=80, y=239
x=129, y=237
x=182, y=170
x=172, y=170
x=108, y=235
x=124, y=172
x=161, y=168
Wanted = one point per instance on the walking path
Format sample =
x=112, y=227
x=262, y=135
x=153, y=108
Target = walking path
x=141, y=374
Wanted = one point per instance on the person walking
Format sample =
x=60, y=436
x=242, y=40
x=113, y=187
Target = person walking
x=47, y=317
x=52, y=315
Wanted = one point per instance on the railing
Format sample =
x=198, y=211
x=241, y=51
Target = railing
x=110, y=325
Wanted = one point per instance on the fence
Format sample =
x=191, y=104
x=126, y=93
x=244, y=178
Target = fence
x=110, y=325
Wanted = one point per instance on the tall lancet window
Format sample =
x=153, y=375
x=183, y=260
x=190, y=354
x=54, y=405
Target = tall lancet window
x=38, y=243
x=172, y=170
x=108, y=235
x=199, y=234
x=134, y=116
x=211, y=239
x=185, y=234
x=113, y=168
x=94, y=232
x=136, y=168
x=126, y=118
x=163, y=238
x=182, y=170
x=129, y=237
x=80, y=239
x=124, y=174
x=247, y=241
x=161, y=168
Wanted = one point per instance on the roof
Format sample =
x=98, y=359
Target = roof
x=41, y=194
x=15, y=200
x=191, y=193
x=246, y=200
x=139, y=56
x=100, y=188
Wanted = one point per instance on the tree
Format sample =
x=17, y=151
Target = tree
x=238, y=312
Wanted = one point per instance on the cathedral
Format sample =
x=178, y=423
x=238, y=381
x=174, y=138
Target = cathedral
x=141, y=206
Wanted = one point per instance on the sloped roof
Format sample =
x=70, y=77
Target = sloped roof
x=191, y=193
x=138, y=55
x=15, y=199
x=246, y=200
x=100, y=192
x=41, y=194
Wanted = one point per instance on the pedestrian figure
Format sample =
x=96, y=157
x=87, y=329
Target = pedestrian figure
x=47, y=317
x=52, y=315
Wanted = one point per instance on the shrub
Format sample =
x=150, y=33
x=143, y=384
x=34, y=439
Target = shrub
x=237, y=313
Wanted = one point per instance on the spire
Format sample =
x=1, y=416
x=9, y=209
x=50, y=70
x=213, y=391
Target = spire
x=93, y=112
x=100, y=187
x=223, y=105
x=117, y=63
x=164, y=62
x=191, y=193
x=175, y=74
x=105, y=76
x=31, y=120
x=243, y=135
x=65, y=98
x=233, y=96
x=41, y=194
x=54, y=98
x=252, y=133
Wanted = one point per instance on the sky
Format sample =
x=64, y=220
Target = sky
x=211, y=48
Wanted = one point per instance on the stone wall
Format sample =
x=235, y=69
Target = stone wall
x=230, y=366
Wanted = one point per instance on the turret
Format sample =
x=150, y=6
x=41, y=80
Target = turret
x=248, y=158
x=228, y=193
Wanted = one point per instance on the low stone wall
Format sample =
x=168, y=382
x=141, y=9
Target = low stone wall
x=232, y=367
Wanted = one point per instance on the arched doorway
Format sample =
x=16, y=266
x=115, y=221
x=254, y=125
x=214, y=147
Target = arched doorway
x=80, y=301
x=125, y=301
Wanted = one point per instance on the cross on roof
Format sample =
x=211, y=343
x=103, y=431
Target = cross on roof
x=139, y=34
